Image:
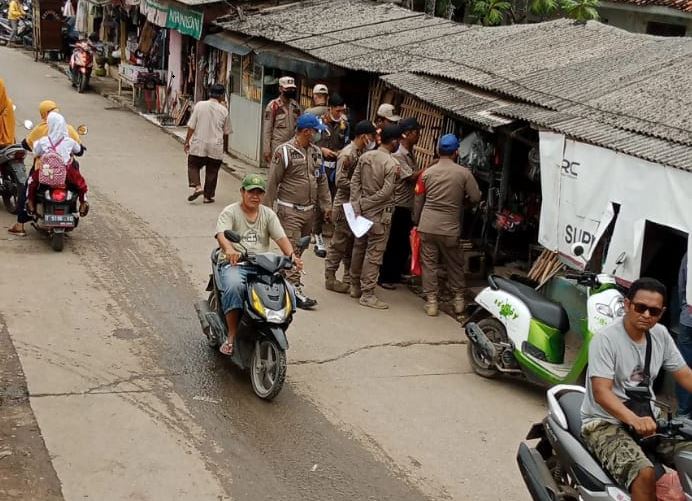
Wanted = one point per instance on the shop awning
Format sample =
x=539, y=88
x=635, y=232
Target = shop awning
x=225, y=43
x=274, y=55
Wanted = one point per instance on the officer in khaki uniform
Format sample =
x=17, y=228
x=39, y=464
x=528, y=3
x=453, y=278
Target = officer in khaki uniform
x=296, y=183
x=372, y=196
x=341, y=244
x=439, y=203
x=396, y=257
x=280, y=118
x=331, y=143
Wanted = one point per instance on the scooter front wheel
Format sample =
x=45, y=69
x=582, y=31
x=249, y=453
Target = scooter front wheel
x=267, y=369
x=496, y=333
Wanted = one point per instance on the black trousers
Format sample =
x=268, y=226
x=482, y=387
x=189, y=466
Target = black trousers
x=398, y=252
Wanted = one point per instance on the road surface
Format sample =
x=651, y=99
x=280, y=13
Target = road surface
x=132, y=405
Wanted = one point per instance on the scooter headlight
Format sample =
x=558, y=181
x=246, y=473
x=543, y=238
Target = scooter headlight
x=276, y=316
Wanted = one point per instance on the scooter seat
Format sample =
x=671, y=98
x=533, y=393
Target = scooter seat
x=570, y=403
x=545, y=310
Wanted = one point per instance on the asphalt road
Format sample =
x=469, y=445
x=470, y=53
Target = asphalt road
x=131, y=403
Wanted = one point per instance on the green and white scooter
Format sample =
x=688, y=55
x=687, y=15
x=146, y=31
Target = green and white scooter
x=522, y=333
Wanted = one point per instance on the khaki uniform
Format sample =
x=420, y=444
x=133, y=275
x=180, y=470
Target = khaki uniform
x=296, y=183
x=398, y=252
x=372, y=196
x=341, y=244
x=438, y=211
x=333, y=138
x=279, y=123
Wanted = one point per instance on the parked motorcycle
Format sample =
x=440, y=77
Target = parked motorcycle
x=12, y=175
x=522, y=333
x=81, y=64
x=25, y=28
x=268, y=307
x=560, y=467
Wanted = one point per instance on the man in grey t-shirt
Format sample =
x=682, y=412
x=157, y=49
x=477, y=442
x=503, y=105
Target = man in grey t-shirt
x=617, y=361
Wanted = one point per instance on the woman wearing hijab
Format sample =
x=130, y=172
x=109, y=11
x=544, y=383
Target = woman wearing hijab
x=7, y=124
x=58, y=140
x=41, y=129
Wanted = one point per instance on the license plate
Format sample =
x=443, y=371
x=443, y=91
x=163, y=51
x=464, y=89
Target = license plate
x=60, y=221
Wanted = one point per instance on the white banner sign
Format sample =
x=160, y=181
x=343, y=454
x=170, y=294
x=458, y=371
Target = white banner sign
x=580, y=184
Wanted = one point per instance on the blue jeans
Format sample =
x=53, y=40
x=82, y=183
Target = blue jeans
x=684, y=342
x=231, y=281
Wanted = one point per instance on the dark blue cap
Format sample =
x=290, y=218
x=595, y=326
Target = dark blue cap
x=448, y=144
x=309, y=121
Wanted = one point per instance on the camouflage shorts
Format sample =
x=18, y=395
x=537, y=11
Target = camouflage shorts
x=620, y=455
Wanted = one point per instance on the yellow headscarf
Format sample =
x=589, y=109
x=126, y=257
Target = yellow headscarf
x=40, y=130
x=46, y=107
x=7, y=123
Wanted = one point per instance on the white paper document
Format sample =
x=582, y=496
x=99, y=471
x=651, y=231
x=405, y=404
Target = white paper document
x=358, y=224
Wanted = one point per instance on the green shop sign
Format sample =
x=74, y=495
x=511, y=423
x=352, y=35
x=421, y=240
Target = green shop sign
x=187, y=22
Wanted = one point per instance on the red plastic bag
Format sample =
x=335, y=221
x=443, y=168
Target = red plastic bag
x=415, y=253
x=669, y=488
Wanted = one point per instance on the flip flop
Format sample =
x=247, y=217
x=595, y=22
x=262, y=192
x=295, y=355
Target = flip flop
x=226, y=348
x=19, y=233
x=195, y=196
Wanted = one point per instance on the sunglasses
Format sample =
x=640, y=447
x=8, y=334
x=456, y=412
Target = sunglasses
x=641, y=308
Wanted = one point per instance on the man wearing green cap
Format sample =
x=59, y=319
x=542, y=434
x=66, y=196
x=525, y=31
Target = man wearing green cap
x=256, y=224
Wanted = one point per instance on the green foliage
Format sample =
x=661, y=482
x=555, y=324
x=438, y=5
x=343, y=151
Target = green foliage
x=543, y=8
x=580, y=10
x=490, y=12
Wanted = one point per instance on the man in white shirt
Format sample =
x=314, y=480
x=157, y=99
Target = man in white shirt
x=206, y=141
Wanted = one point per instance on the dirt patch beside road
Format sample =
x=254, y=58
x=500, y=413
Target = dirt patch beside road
x=26, y=471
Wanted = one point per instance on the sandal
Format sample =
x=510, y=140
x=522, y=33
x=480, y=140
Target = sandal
x=14, y=231
x=195, y=195
x=208, y=200
x=226, y=348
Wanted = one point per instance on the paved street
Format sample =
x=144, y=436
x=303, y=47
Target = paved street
x=131, y=403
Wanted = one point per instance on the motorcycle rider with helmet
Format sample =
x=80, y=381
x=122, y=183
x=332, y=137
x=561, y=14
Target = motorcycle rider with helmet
x=40, y=130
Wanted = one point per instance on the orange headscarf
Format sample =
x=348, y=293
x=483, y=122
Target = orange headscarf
x=7, y=124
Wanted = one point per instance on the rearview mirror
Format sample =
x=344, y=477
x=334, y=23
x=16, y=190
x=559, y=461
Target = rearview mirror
x=82, y=130
x=304, y=243
x=232, y=236
x=28, y=124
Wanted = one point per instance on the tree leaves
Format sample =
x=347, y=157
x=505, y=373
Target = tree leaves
x=490, y=12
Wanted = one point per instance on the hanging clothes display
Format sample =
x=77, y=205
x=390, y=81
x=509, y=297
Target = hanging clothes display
x=82, y=18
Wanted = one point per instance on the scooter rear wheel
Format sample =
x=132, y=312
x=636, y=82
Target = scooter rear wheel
x=267, y=369
x=496, y=333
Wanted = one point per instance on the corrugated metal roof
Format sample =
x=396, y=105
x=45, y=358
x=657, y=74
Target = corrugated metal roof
x=600, y=75
x=649, y=148
x=465, y=103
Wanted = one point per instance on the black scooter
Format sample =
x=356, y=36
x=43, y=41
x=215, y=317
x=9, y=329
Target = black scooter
x=268, y=307
x=560, y=467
